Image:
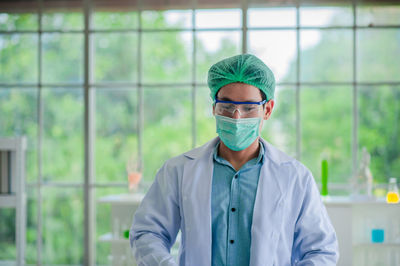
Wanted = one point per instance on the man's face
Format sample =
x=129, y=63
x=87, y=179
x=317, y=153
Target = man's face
x=242, y=92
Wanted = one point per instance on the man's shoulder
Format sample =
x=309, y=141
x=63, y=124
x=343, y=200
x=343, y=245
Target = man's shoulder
x=192, y=154
x=276, y=155
x=284, y=162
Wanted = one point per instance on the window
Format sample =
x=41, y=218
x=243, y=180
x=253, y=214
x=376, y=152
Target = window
x=96, y=85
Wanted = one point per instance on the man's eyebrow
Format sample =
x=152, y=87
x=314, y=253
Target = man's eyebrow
x=225, y=99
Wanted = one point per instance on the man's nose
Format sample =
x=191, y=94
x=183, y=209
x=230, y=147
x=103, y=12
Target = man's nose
x=236, y=114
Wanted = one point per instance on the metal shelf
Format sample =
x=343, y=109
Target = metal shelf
x=17, y=198
x=108, y=238
x=8, y=200
x=377, y=245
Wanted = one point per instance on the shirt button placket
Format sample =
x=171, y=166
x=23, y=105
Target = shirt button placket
x=232, y=230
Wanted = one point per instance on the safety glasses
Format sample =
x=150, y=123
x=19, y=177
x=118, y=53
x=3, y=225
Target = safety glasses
x=245, y=109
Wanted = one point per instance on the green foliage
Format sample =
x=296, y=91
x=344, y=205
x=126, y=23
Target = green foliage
x=114, y=20
x=7, y=235
x=115, y=57
x=20, y=21
x=62, y=58
x=18, y=58
x=62, y=20
x=327, y=112
x=379, y=129
x=66, y=208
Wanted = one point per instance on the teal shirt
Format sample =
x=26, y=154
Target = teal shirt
x=232, y=203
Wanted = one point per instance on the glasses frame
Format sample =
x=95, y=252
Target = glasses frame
x=238, y=103
x=233, y=102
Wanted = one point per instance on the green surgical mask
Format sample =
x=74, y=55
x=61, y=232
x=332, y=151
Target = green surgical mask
x=237, y=134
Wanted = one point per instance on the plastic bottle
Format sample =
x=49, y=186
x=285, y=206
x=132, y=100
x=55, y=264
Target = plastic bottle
x=392, y=195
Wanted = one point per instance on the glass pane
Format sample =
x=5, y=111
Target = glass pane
x=280, y=128
x=212, y=47
x=379, y=118
x=278, y=51
x=326, y=55
x=115, y=20
x=378, y=15
x=167, y=126
x=62, y=58
x=116, y=133
x=62, y=15
x=18, y=58
x=115, y=57
x=31, y=229
x=8, y=250
x=112, y=221
x=62, y=21
x=218, y=18
x=205, y=121
x=21, y=21
x=326, y=16
x=167, y=57
x=377, y=53
x=263, y=3
x=62, y=213
x=167, y=19
x=63, y=147
x=18, y=109
x=272, y=17
x=114, y=14
x=326, y=119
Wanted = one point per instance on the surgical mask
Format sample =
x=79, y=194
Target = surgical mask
x=237, y=134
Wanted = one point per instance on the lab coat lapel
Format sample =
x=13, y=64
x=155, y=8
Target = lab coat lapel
x=267, y=214
x=196, y=191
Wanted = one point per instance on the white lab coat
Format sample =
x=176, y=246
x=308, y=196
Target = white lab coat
x=290, y=224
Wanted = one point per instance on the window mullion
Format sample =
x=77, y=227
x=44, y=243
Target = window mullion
x=39, y=239
x=89, y=208
x=355, y=106
x=297, y=94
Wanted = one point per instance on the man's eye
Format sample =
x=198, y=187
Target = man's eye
x=229, y=107
x=249, y=108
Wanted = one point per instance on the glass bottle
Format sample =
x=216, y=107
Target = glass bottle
x=392, y=195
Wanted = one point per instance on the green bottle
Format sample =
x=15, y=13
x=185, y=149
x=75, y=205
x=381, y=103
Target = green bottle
x=126, y=233
x=324, y=177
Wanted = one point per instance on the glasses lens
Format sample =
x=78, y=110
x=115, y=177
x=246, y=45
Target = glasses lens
x=245, y=110
x=249, y=109
x=225, y=108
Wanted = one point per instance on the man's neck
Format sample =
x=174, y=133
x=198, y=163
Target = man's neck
x=238, y=158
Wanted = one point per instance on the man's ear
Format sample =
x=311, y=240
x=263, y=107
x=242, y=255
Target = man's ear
x=269, y=106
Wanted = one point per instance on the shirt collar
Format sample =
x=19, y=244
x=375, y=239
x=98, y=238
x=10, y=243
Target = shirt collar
x=260, y=157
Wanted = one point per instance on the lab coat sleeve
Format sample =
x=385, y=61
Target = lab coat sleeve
x=157, y=221
x=315, y=240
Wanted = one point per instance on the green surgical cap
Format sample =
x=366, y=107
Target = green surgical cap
x=245, y=68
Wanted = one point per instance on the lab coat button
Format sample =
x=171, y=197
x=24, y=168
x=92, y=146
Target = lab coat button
x=232, y=241
x=233, y=209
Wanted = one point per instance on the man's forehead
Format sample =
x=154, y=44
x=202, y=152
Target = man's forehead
x=241, y=90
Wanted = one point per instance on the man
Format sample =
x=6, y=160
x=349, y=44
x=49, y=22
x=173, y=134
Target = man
x=237, y=200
